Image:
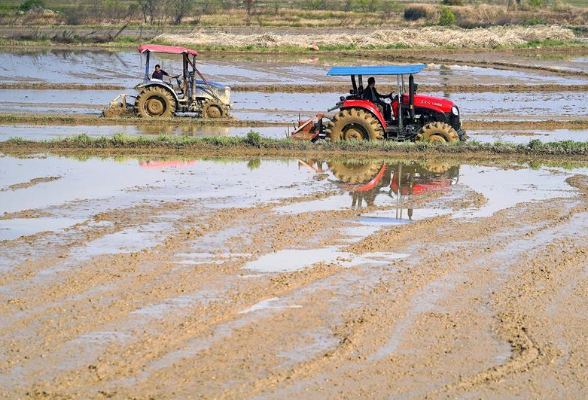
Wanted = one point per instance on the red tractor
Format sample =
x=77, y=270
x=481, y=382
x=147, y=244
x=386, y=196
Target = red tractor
x=411, y=117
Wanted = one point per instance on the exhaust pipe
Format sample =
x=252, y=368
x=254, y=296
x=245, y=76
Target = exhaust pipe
x=411, y=95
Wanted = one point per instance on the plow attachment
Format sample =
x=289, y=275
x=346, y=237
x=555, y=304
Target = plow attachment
x=311, y=129
x=119, y=107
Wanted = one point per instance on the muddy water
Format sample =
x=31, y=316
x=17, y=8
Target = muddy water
x=126, y=68
x=142, y=277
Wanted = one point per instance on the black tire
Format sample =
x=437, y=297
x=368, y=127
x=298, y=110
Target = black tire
x=214, y=109
x=354, y=124
x=437, y=132
x=155, y=102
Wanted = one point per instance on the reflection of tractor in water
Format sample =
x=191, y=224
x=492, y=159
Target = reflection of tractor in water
x=407, y=116
x=161, y=99
x=365, y=181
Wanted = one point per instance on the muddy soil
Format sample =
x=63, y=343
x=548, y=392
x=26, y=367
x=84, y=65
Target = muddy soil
x=258, y=278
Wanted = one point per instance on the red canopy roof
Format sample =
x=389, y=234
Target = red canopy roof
x=166, y=49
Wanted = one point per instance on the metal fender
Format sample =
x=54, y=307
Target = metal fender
x=366, y=105
x=163, y=85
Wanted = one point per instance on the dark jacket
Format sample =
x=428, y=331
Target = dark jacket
x=372, y=95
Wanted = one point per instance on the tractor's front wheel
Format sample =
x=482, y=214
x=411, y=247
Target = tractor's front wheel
x=155, y=102
x=354, y=124
x=437, y=132
x=214, y=109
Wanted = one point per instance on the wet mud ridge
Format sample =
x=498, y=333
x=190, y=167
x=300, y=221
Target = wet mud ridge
x=259, y=278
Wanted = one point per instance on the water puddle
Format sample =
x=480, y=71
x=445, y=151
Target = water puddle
x=11, y=229
x=507, y=188
x=290, y=260
x=126, y=241
x=275, y=303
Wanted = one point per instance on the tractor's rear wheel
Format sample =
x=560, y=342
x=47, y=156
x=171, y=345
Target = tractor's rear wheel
x=437, y=132
x=354, y=124
x=214, y=109
x=155, y=102
x=354, y=172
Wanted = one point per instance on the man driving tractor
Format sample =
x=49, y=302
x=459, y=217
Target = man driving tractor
x=370, y=93
x=159, y=73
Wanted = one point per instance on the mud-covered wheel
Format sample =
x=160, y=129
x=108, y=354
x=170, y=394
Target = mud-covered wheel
x=155, y=102
x=437, y=132
x=353, y=172
x=214, y=109
x=354, y=124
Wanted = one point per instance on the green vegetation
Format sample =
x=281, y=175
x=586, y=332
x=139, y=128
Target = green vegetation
x=254, y=141
x=30, y=4
x=447, y=17
x=297, y=13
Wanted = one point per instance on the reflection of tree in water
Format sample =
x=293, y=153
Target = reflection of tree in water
x=254, y=163
x=446, y=73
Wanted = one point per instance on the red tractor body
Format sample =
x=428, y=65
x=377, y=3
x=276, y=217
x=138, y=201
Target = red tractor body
x=408, y=115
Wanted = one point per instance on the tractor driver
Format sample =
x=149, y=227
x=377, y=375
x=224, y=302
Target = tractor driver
x=159, y=73
x=370, y=93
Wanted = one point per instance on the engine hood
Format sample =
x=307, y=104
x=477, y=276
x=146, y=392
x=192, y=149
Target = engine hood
x=435, y=103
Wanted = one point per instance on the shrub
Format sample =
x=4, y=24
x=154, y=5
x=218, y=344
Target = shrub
x=536, y=3
x=412, y=13
x=30, y=4
x=253, y=138
x=453, y=2
x=447, y=17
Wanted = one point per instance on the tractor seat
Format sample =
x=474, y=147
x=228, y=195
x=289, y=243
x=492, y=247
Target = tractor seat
x=355, y=95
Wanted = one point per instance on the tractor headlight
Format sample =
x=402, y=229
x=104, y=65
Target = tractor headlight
x=455, y=111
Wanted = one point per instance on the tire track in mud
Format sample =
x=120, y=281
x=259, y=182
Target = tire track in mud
x=131, y=261
x=358, y=327
x=513, y=323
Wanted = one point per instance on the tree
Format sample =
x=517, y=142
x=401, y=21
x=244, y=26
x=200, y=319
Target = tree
x=249, y=5
x=179, y=9
x=148, y=9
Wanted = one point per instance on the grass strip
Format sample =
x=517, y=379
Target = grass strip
x=261, y=145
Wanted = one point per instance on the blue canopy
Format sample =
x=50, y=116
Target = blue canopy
x=377, y=70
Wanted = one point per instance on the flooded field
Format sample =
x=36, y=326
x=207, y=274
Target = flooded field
x=126, y=68
x=263, y=278
x=478, y=75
